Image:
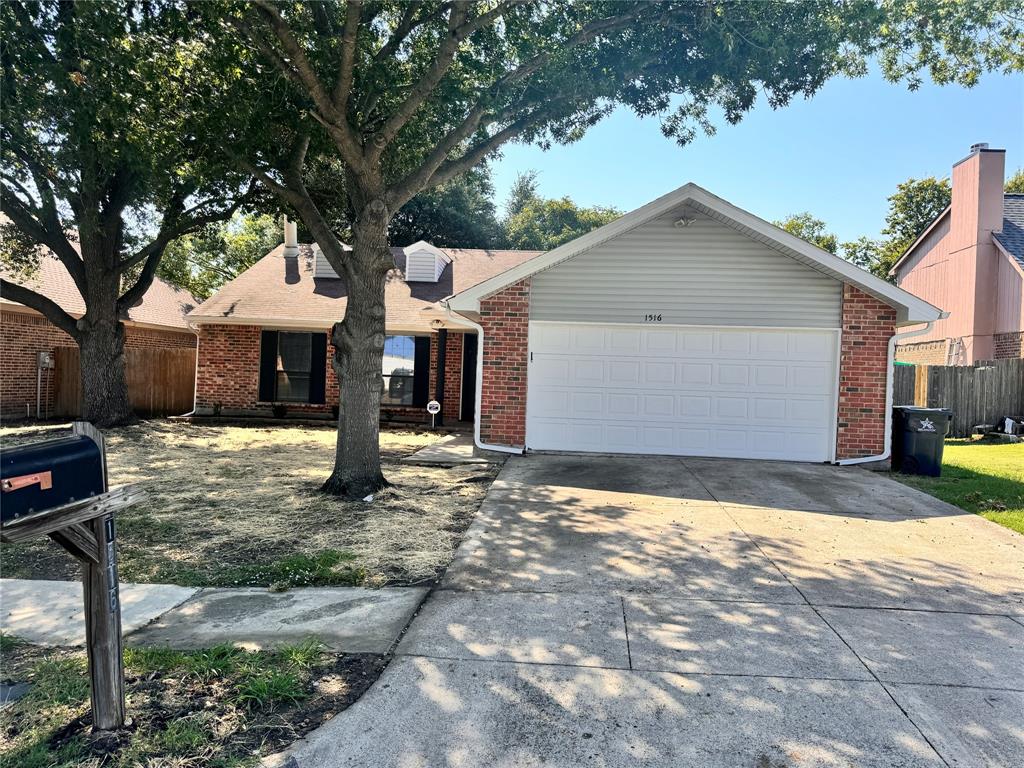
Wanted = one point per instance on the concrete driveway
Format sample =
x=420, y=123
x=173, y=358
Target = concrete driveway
x=701, y=612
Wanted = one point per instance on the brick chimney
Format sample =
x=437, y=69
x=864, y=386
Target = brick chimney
x=977, y=212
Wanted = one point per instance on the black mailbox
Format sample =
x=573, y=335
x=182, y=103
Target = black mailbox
x=50, y=474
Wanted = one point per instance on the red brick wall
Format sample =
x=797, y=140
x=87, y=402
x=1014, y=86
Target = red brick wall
x=24, y=334
x=1008, y=345
x=868, y=324
x=925, y=353
x=452, y=374
x=227, y=377
x=505, y=318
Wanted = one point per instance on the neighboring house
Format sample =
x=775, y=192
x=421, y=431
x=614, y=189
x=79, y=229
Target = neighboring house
x=687, y=327
x=970, y=261
x=158, y=321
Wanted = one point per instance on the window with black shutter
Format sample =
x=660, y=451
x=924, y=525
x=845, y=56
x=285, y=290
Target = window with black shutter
x=293, y=367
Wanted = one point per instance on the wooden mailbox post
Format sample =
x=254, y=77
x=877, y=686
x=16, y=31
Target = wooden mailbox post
x=86, y=529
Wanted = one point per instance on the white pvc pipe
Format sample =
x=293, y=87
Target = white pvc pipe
x=466, y=322
x=890, y=376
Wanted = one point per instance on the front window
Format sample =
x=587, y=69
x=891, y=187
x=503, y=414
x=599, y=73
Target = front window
x=399, y=370
x=294, y=358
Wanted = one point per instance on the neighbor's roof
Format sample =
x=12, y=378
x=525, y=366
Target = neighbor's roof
x=281, y=291
x=163, y=304
x=1010, y=240
x=1012, y=236
x=910, y=308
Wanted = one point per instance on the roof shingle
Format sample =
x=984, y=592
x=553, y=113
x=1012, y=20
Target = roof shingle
x=1012, y=236
x=281, y=288
x=163, y=304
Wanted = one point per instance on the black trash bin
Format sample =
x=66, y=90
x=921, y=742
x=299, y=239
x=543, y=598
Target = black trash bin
x=918, y=435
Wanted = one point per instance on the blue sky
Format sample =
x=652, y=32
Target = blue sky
x=838, y=155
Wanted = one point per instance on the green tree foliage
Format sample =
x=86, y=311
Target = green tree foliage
x=544, y=224
x=202, y=261
x=408, y=96
x=811, y=229
x=1015, y=184
x=102, y=164
x=912, y=208
x=457, y=214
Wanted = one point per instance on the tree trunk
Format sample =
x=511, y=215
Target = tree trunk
x=358, y=362
x=104, y=385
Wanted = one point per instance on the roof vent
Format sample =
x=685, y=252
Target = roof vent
x=424, y=263
x=979, y=146
x=322, y=269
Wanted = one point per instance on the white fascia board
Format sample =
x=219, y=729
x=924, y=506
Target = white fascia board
x=912, y=309
x=288, y=324
x=913, y=246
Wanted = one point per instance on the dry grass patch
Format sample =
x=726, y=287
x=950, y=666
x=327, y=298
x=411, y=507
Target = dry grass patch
x=236, y=505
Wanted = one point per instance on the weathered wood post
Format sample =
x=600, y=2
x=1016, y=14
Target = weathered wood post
x=103, y=644
x=72, y=503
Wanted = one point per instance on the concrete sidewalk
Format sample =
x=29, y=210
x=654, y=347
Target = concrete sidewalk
x=345, y=619
x=450, y=450
x=614, y=611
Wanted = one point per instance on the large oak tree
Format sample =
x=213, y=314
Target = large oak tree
x=407, y=96
x=104, y=161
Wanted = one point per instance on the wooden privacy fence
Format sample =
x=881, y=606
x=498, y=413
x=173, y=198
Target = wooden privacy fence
x=161, y=382
x=977, y=394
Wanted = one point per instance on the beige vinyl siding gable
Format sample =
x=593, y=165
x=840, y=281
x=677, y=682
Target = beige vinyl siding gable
x=704, y=274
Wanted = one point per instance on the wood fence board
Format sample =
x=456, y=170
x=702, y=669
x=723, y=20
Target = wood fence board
x=978, y=394
x=161, y=382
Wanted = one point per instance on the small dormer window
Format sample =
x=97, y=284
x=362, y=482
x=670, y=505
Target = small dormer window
x=424, y=263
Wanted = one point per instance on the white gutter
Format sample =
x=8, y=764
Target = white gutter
x=466, y=322
x=890, y=375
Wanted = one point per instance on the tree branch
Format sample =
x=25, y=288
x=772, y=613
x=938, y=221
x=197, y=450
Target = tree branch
x=48, y=308
x=300, y=70
x=342, y=88
x=56, y=240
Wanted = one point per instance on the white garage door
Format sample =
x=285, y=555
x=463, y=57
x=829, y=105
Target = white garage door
x=687, y=391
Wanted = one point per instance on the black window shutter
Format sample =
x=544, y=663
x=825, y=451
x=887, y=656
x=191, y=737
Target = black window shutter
x=268, y=365
x=421, y=372
x=318, y=369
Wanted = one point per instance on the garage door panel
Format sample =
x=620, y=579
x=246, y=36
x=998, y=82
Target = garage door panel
x=713, y=392
x=586, y=372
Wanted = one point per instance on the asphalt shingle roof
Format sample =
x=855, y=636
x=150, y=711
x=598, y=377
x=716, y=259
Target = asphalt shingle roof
x=283, y=288
x=1012, y=236
x=163, y=304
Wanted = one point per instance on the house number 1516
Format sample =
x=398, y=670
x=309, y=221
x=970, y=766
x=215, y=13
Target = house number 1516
x=652, y=318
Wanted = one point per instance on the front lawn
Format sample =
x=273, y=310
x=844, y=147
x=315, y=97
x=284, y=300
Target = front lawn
x=240, y=506
x=220, y=707
x=981, y=477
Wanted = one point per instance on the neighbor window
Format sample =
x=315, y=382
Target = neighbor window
x=293, y=367
x=399, y=370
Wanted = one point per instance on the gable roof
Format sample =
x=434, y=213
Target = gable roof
x=163, y=305
x=1012, y=237
x=1010, y=240
x=910, y=308
x=282, y=291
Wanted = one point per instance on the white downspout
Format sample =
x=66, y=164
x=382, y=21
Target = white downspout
x=890, y=375
x=465, y=321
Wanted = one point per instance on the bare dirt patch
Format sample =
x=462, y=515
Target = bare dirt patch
x=216, y=707
x=240, y=505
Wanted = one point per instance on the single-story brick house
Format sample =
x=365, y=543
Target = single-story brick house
x=158, y=321
x=686, y=327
